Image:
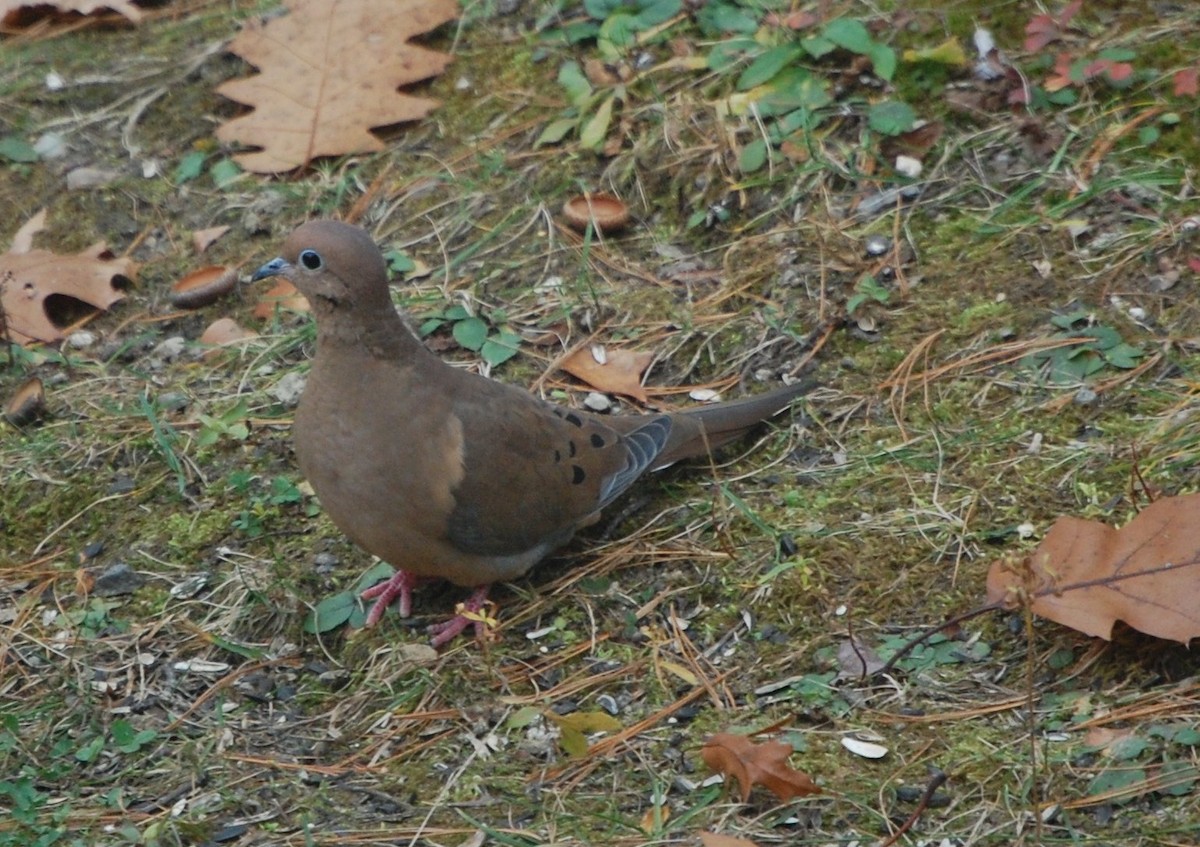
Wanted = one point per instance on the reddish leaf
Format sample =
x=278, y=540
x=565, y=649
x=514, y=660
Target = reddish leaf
x=1088, y=575
x=1039, y=32
x=1045, y=29
x=1187, y=82
x=1194, y=263
x=1120, y=71
x=1070, y=11
x=792, y=20
x=765, y=764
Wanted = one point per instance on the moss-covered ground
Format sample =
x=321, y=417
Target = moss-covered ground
x=716, y=598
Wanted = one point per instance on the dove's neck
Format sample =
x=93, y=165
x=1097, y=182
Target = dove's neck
x=379, y=334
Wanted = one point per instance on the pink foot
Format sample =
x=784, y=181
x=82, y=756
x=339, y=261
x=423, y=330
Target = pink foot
x=399, y=586
x=447, y=631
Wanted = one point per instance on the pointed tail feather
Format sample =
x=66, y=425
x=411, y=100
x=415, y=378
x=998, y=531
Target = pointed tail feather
x=696, y=432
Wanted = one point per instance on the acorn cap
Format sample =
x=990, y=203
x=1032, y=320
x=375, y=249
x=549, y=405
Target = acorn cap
x=204, y=286
x=27, y=404
x=606, y=213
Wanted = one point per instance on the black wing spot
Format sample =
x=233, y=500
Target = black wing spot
x=573, y=419
x=557, y=457
x=578, y=474
x=597, y=440
x=571, y=449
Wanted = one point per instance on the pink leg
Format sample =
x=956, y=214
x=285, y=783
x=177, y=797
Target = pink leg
x=447, y=631
x=399, y=586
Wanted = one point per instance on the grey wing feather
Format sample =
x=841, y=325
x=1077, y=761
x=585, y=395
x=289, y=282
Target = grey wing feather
x=642, y=445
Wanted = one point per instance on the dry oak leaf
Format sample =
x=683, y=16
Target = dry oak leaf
x=42, y=293
x=1088, y=575
x=612, y=370
x=328, y=72
x=21, y=13
x=751, y=764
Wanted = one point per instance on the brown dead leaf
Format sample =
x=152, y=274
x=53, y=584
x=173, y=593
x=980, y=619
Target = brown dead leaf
x=857, y=660
x=21, y=13
x=1106, y=737
x=328, y=72
x=653, y=819
x=1186, y=83
x=792, y=20
x=612, y=370
x=283, y=296
x=22, y=240
x=202, y=239
x=44, y=293
x=751, y=764
x=223, y=332
x=1088, y=575
x=716, y=839
x=916, y=142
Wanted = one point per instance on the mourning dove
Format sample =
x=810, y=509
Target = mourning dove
x=444, y=473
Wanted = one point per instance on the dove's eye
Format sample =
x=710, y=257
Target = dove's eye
x=312, y=260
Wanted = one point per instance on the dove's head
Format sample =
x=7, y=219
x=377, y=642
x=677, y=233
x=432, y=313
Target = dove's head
x=335, y=265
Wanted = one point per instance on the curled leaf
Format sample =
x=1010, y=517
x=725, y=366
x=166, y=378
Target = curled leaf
x=751, y=764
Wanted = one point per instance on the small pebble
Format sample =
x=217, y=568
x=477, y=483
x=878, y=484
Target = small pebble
x=169, y=348
x=877, y=245
x=172, y=401
x=81, y=339
x=908, y=166
x=597, y=402
x=117, y=580
x=189, y=587
x=50, y=145
x=86, y=177
x=289, y=388
x=326, y=562
x=1085, y=397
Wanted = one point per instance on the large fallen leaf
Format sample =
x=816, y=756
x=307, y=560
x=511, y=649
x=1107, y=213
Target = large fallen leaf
x=751, y=764
x=616, y=371
x=44, y=293
x=21, y=13
x=328, y=72
x=1088, y=575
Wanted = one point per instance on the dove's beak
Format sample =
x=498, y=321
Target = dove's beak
x=275, y=267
